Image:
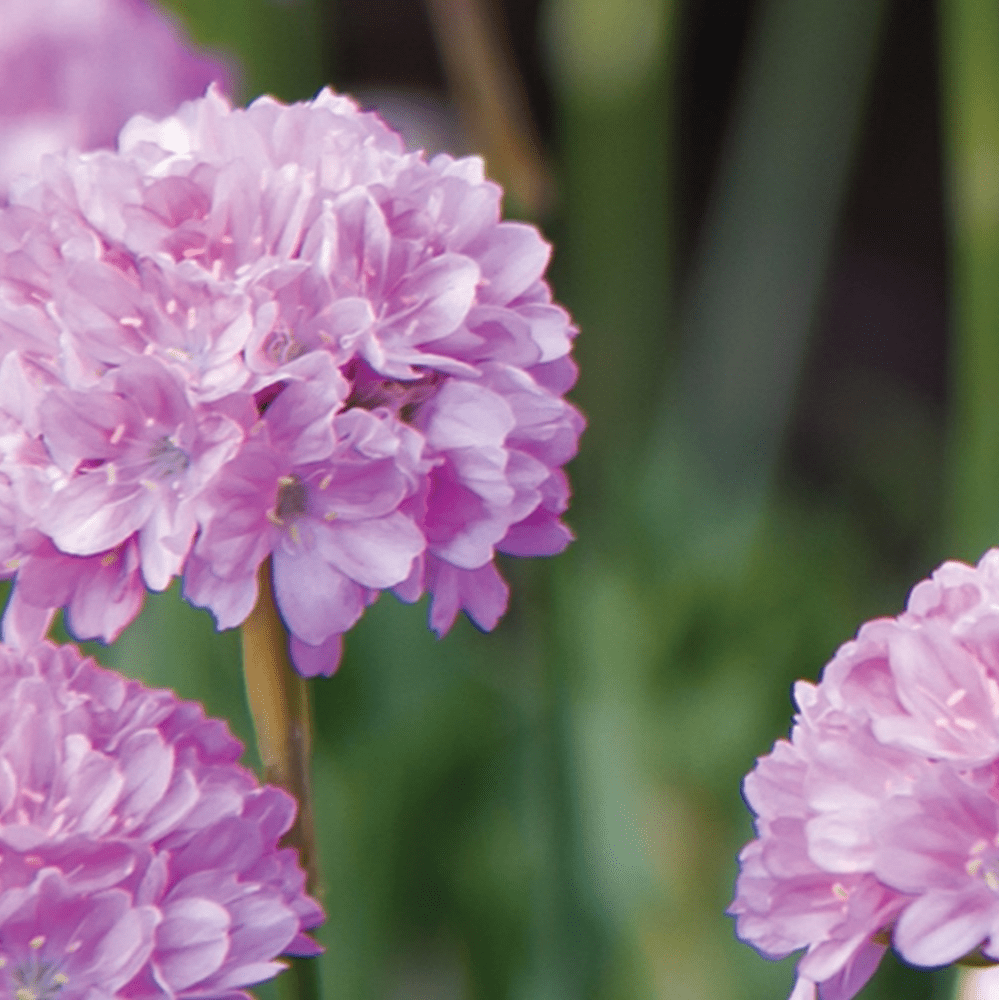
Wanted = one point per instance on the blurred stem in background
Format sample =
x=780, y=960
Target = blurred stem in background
x=969, y=58
x=759, y=271
x=485, y=85
x=613, y=70
x=969, y=61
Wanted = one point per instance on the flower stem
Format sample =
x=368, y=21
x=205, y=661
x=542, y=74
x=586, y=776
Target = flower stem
x=279, y=704
x=969, y=34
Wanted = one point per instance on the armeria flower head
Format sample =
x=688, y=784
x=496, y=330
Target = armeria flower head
x=878, y=821
x=138, y=859
x=72, y=72
x=273, y=333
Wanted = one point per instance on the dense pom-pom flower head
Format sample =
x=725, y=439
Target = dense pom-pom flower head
x=274, y=334
x=878, y=821
x=72, y=72
x=138, y=859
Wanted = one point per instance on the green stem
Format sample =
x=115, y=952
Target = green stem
x=969, y=57
x=279, y=703
x=969, y=32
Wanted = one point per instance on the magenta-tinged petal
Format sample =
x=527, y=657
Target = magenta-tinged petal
x=139, y=856
x=879, y=815
x=191, y=942
x=108, y=594
x=315, y=661
x=468, y=416
x=513, y=257
x=850, y=980
x=481, y=592
x=272, y=331
x=940, y=927
x=72, y=76
x=444, y=288
x=375, y=553
x=24, y=624
x=92, y=515
x=314, y=598
x=230, y=600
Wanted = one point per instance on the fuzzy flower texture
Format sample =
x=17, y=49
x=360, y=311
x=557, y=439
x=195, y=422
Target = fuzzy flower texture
x=272, y=333
x=138, y=859
x=878, y=822
x=72, y=72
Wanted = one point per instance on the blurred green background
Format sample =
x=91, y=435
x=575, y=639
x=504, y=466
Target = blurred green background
x=776, y=226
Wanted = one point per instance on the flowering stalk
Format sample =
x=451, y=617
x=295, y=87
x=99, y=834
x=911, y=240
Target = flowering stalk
x=282, y=718
x=279, y=704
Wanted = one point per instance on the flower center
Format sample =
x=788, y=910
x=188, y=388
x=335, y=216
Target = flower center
x=282, y=347
x=35, y=979
x=292, y=498
x=403, y=397
x=167, y=459
x=983, y=863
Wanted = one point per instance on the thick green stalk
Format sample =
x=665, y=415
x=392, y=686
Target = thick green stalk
x=279, y=704
x=759, y=272
x=969, y=33
x=969, y=59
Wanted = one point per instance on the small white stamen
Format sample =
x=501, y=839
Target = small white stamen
x=955, y=697
x=133, y=321
x=326, y=480
x=117, y=433
x=37, y=942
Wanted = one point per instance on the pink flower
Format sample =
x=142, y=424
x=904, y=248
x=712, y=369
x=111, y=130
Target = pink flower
x=72, y=72
x=139, y=858
x=879, y=820
x=274, y=333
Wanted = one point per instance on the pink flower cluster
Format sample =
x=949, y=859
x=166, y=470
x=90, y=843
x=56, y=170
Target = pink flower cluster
x=72, y=72
x=274, y=333
x=878, y=822
x=137, y=858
